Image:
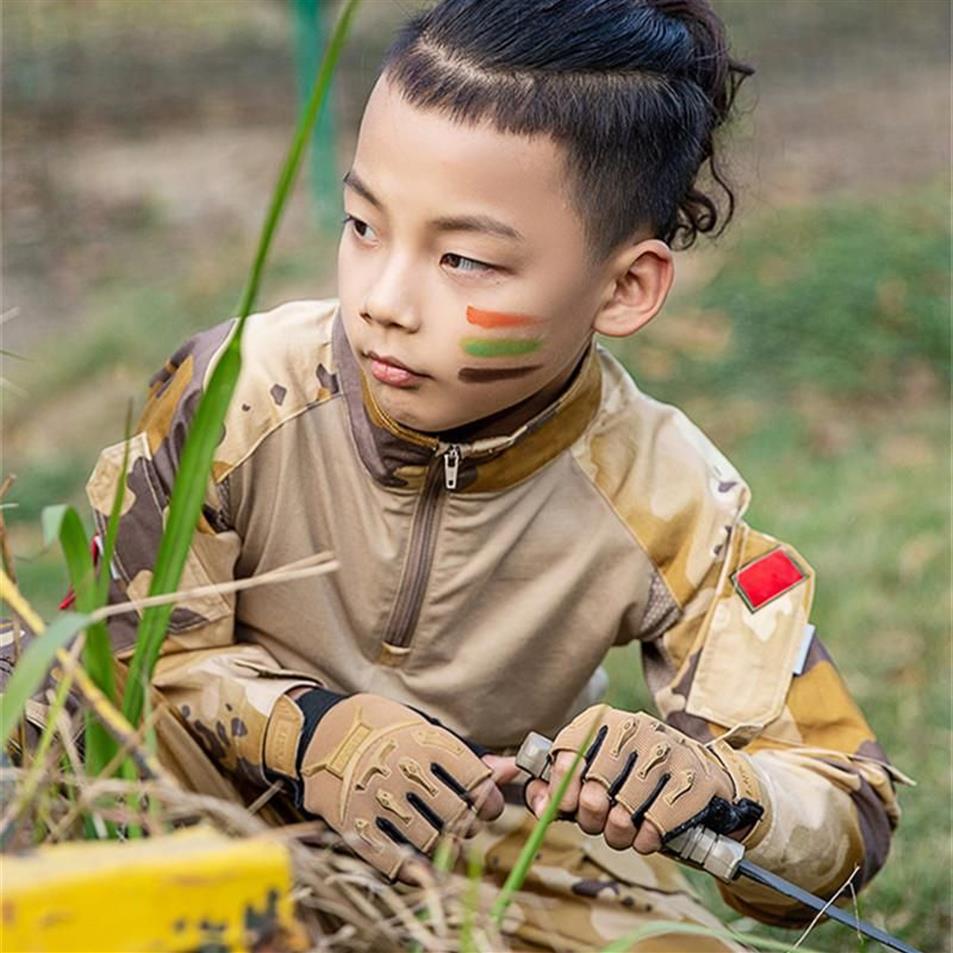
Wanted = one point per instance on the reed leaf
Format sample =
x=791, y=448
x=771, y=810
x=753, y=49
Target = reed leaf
x=535, y=840
x=471, y=901
x=63, y=522
x=112, y=525
x=31, y=669
x=101, y=746
x=188, y=492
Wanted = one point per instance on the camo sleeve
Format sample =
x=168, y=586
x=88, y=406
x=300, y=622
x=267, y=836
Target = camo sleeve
x=223, y=691
x=734, y=655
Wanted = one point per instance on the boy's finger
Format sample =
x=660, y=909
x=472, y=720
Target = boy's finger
x=504, y=770
x=416, y=872
x=648, y=840
x=537, y=794
x=619, y=830
x=593, y=808
x=561, y=766
x=487, y=800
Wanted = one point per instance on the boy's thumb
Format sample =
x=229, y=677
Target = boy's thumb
x=504, y=769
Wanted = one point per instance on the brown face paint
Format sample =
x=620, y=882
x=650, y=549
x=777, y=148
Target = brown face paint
x=500, y=319
x=485, y=375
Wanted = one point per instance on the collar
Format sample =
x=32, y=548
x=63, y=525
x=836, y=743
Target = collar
x=397, y=456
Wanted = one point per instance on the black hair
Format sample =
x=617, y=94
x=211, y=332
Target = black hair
x=634, y=91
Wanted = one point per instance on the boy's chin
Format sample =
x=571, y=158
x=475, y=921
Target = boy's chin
x=422, y=416
x=429, y=423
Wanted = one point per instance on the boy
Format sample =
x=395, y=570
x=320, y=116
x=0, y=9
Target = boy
x=505, y=505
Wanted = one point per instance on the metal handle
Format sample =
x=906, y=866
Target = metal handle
x=700, y=847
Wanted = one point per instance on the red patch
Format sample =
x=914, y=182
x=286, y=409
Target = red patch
x=768, y=577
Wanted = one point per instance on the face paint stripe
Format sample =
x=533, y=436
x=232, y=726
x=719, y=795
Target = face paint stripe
x=498, y=319
x=484, y=375
x=500, y=347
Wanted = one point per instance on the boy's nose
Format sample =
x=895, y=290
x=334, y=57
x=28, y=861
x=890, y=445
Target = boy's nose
x=390, y=317
x=388, y=302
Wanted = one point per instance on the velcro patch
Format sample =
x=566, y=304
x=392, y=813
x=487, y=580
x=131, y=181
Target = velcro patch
x=766, y=578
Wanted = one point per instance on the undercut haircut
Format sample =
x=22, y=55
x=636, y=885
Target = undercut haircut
x=633, y=90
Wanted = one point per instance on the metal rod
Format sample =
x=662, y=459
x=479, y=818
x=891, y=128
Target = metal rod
x=753, y=872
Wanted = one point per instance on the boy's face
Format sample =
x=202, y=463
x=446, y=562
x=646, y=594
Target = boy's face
x=464, y=277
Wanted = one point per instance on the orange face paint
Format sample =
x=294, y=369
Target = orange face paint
x=500, y=319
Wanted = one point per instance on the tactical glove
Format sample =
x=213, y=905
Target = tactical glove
x=382, y=775
x=658, y=775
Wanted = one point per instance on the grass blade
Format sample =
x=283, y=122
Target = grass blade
x=471, y=901
x=289, y=171
x=64, y=523
x=38, y=769
x=184, y=509
x=525, y=860
x=112, y=526
x=196, y=461
x=28, y=675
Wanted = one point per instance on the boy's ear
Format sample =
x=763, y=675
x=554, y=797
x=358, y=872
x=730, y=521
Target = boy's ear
x=641, y=277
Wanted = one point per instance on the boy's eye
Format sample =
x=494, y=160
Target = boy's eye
x=459, y=263
x=361, y=229
x=456, y=262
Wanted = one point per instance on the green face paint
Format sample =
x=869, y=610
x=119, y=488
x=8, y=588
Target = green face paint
x=499, y=347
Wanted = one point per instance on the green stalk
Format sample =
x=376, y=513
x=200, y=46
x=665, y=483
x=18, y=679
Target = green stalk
x=535, y=840
x=31, y=669
x=292, y=163
x=471, y=901
x=53, y=638
x=63, y=522
x=101, y=747
x=189, y=490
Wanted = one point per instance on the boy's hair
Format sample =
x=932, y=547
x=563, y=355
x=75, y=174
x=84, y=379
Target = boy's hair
x=633, y=90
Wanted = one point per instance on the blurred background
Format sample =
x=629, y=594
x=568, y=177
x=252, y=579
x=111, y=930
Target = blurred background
x=141, y=140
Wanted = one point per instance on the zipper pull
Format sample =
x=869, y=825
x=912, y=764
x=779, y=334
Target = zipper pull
x=451, y=466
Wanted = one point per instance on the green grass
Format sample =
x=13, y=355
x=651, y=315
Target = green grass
x=847, y=299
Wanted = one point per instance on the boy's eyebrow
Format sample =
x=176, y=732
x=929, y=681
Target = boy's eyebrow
x=449, y=223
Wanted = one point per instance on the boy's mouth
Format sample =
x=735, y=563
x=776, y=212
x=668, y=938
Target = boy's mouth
x=388, y=370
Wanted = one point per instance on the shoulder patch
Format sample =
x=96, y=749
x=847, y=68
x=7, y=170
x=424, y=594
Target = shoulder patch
x=764, y=579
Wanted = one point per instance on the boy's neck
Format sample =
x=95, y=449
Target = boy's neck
x=505, y=421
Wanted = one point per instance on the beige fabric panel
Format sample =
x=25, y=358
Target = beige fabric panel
x=513, y=627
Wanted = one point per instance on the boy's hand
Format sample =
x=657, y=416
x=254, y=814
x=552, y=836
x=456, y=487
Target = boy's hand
x=641, y=781
x=383, y=776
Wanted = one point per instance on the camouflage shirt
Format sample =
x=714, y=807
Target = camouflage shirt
x=484, y=583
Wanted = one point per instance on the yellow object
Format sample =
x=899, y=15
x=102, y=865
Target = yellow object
x=191, y=890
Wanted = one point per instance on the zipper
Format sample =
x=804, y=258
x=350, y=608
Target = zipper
x=441, y=478
x=451, y=466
